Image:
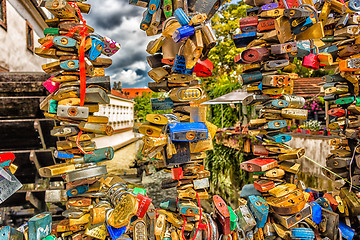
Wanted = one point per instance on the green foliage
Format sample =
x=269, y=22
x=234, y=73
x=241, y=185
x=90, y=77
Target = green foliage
x=142, y=106
x=230, y=115
x=226, y=175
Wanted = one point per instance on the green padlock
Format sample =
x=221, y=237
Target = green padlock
x=233, y=219
x=51, y=31
x=137, y=190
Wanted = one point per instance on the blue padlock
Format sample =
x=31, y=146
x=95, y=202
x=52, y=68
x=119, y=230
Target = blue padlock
x=354, y=5
x=249, y=190
x=346, y=231
x=181, y=16
x=115, y=233
x=279, y=103
x=70, y=65
x=146, y=20
x=153, y=6
x=96, y=48
x=252, y=77
x=302, y=233
x=260, y=210
x=302, y=26
x=279, y=138
x=179, y=66
x=183, y=33
x=77, y=190
x=323, y=203
x=243, y=39
x=63, y=155
x=303, y=49
x=161, y=104
x=316, y=212
x=276, y=124
x=65, y=43
x=331, y=49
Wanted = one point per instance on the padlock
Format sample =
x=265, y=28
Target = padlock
x=264, y=185
x=96, y=48
x=260, y=209
x=181, y=16
x=288, y=204
x=266, y=25
x=248, y=24
x=282, y=190
x=177, y=173
x=222, y=215
x=246, y=219
x=252, y=11
x=124, y=210
x=254, y=54
x=311, y=61
x=40, y=226
x=291, y=220
x=284, y=48
x=243, y=39
x=183, y=33
x=61, y=9
x=258, y=165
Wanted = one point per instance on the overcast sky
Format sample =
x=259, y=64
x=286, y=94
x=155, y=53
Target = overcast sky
x=120, y=21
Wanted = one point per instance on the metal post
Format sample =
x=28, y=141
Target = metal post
x=327, y=115
x=222, y=116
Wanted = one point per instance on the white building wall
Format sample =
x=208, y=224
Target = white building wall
x=14, y=54
x=121, y=118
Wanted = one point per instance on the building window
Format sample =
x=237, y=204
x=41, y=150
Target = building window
x=29, y=37
x=3, y=14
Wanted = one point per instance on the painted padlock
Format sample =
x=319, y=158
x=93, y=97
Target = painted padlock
x=40, y=226
x=143, y=204
x=110, y=47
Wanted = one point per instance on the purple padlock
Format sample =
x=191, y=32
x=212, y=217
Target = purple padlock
x=269, y=6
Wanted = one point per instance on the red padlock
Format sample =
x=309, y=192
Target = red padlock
x=144, y=203
x=255, y=54
x=311, y=61
x=203, y=68
x=177, y=173
x=7, y=156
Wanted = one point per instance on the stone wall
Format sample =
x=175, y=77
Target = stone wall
x=317, y=149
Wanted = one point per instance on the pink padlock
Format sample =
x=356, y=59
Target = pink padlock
x=50, y=85
x=311, y=61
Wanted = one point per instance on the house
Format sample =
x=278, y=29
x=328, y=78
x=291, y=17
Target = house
x=22, y=23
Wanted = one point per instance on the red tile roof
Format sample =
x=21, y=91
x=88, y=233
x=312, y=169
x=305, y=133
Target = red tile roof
x=307, y=87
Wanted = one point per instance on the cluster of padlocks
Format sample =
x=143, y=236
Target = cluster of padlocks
x=178, y=140
x=97, y=205
x=274, y=35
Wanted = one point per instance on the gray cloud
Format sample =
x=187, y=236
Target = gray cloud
x=120, y=21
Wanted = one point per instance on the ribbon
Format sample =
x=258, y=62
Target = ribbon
x=79, y=146
x=200, y=224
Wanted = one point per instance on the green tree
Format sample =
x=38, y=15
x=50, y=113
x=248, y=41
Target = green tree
x=142, y=106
